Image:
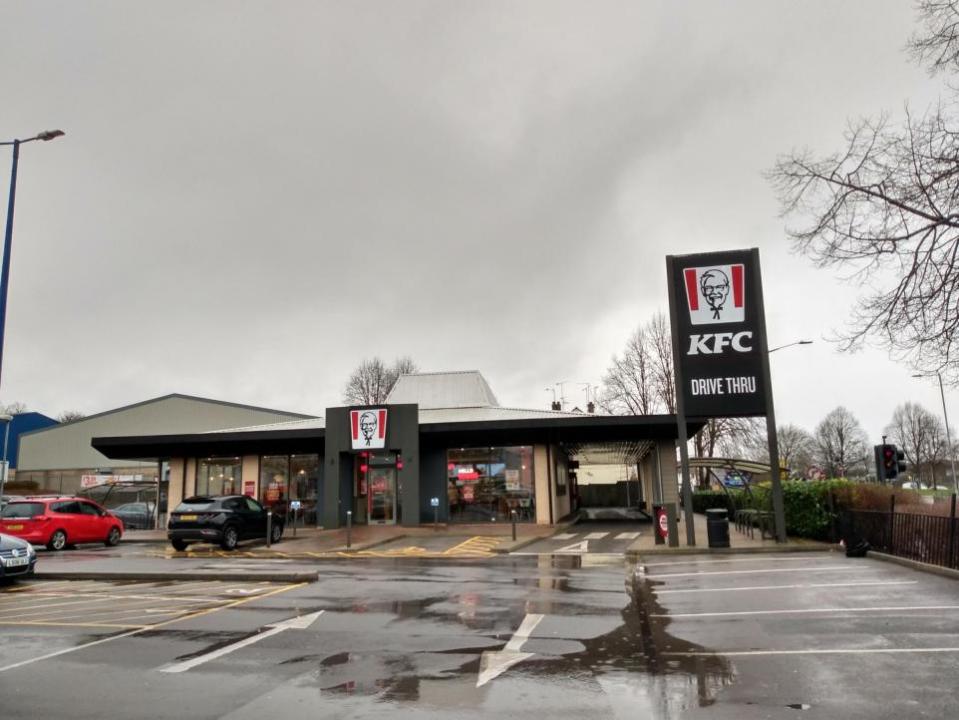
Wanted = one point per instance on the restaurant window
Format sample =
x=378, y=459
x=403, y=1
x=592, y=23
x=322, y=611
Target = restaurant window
x=218, y=476
x=275, y=481
x=486, y=484
x=304, y=486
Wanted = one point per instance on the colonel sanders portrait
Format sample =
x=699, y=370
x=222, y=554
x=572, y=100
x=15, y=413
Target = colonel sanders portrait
x=714, y=287
x=368, y=426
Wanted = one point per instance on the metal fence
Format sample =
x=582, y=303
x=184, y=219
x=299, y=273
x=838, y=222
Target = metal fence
x=930, y=539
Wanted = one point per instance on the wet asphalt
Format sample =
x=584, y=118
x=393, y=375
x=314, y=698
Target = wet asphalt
x=575, y=636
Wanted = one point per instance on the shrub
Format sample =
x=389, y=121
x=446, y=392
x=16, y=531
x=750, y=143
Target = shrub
x=704, y=500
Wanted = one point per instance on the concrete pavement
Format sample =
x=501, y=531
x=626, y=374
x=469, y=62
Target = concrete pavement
x=562, y=637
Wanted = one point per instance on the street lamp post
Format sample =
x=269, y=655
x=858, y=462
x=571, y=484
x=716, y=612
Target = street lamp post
x=46, y=135
x=798, y=342
x=945, y=416
x=6, y=420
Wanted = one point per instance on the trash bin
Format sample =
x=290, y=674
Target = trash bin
x=717, y=527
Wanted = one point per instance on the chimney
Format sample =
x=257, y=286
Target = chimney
x=556, y=405
x=591, y=407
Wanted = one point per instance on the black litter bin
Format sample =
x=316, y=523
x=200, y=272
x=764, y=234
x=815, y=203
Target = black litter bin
x=717, y=527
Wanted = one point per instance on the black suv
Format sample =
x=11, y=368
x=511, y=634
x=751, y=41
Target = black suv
x=226, y=520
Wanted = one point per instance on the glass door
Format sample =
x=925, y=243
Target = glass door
x=381, y=495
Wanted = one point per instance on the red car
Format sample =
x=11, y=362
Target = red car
x=60, y=521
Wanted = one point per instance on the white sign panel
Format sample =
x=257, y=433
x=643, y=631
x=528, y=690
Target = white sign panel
x=368, y=429
x=715, y=294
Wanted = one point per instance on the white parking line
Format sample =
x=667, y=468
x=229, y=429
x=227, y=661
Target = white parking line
x=494, y=664
x=627, y=536
x=759, y=557
x=832, y=651
x=808, y=611
x=788, y=587
x=596, y=535
x=563, y=536
x=820, y=568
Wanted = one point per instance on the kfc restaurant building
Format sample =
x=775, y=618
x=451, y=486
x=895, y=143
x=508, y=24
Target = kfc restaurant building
x=441, y=440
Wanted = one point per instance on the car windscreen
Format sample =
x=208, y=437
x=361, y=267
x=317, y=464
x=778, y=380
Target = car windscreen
x=198, y=505
x=22, y=510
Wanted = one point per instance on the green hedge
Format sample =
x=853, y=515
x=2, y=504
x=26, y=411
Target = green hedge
x=806, y=504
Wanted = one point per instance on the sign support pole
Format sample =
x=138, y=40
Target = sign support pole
x=775, y=475
x=680, y=411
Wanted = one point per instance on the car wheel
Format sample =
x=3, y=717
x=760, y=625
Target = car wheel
x=113, y=537
x=58, y=541
x=276, y=534
x=230, y=538
x=178, y=545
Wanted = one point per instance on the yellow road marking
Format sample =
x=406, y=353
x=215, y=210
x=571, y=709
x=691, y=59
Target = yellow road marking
x=41, y=623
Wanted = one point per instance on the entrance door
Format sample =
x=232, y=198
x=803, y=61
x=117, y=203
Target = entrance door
x=381, y=495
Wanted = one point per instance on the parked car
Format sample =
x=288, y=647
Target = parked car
x=60, y=521
x=17, y=558
x=136, y=515
x=224, y=519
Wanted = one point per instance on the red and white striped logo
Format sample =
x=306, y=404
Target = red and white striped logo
x=368, y=429
x=716, y=294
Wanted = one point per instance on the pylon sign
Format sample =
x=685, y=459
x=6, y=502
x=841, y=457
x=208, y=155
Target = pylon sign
x=719, y=333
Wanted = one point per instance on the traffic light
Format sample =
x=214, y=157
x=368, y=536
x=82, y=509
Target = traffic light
x=890, y=461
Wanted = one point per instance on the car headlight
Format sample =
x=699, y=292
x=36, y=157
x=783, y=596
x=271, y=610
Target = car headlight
x=31, y=551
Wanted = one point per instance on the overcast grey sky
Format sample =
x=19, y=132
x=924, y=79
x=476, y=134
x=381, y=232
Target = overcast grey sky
x=252, y=197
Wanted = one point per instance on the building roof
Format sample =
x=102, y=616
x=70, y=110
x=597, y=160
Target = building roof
x=463, y=389
x=181, y=396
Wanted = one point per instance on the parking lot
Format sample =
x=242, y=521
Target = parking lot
x=577, y=635
x=833, y=636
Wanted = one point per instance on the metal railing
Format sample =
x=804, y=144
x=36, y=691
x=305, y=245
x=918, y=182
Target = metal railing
x=925, y=538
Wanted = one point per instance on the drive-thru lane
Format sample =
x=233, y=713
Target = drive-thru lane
x=588, y=537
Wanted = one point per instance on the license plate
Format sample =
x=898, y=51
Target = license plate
x=188, y=517
x=14, y=527
x=16, y=562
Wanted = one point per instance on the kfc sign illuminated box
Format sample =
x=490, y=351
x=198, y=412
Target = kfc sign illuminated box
x=719, y=344
x=368, y=429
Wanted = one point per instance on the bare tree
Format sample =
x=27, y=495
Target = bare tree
x=796, y=448
x=372, y=380
x=628, y=384
x=14, y=408
x=661, y=341
x=70, y=415
x=723, y=437
x=640, y=381
x=840, y=444
x=884, y=211
x=920, y=435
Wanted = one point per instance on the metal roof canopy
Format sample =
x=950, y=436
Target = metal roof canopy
x=609, y=453
x=579, y=431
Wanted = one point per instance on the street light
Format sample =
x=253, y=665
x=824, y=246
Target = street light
x=6, y=420
x=945, y=416
x=798, y=342
x=45, y=136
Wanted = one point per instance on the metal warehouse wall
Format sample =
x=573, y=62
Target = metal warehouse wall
x=67, y=446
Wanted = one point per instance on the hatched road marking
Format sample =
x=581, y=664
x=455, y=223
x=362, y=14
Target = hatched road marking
x=190, y=609
x=105, y=604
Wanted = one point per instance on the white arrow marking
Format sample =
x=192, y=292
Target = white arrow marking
x=298, y=623
x=579, y=547
x=494, y=664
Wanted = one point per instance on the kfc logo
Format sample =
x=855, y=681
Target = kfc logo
x=715, y=294
x=368, y=429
